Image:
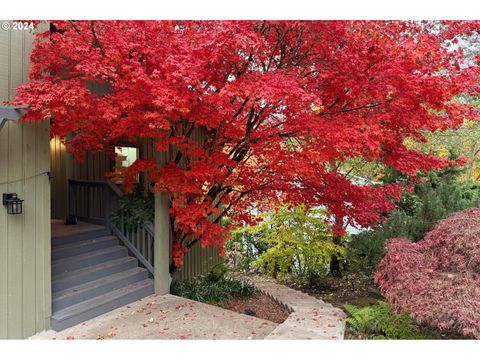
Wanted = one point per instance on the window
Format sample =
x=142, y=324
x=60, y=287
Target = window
x=124, y=157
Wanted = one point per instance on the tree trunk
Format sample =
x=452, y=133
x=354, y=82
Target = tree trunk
x=334, y=265
x=335, y=259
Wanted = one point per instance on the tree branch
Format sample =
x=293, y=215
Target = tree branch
x=96, y=42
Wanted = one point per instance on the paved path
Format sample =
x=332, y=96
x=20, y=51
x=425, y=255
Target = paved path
x=167, y=317
x=173, y=317
x=311, y=318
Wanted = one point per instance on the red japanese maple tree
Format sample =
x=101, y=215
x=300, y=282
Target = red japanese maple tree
x=282, y=104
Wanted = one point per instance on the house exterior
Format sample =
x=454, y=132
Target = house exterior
x=45, y=266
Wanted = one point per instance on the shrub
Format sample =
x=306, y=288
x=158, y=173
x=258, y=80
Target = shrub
x=213, y=288
x=290, y=241
x=434, y=199
x=298, y=242
x=379, y=322
x=136, y=208
x=437, y=279
x=217, y=273
x=244, y=247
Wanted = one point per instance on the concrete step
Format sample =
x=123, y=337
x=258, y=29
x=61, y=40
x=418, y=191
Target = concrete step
x=88, y=259
x=95, y=306
x=84, y=246
x=68, y=297
x=77, y=277
x=84, y=235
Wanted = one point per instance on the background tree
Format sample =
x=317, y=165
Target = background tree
x=435, y=197
x=282, y=103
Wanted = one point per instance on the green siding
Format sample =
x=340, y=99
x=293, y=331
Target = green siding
x=58, y=164
x=198, y=261
x=25, y=281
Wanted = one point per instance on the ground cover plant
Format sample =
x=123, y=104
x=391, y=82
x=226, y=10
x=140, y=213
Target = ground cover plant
x=213, y=288
x=379, y=322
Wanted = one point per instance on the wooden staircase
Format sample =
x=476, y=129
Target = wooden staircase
x=91, y=275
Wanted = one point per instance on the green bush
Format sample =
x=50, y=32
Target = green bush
x=136, y=207
x=436, y=198
x=244, y=247
x=213, y=288
x=217, y=273
x=290, y=241
x=379, y=322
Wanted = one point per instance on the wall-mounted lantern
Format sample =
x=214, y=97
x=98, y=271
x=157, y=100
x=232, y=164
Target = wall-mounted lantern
x=13, y=203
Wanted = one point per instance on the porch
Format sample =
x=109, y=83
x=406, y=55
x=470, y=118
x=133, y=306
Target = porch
x=59, y=228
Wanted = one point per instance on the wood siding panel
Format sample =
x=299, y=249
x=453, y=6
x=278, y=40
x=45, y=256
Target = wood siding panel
x=93, y=166
x=15, y=172
x=43, y=282
x=198, y=260
x=4, y=84
x=59, y=181
x=24, y=239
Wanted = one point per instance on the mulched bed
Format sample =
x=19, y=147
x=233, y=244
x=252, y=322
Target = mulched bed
x=352, y=288
x=260, y=306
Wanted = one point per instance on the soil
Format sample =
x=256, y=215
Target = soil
x=260, y=306
x=352, y=288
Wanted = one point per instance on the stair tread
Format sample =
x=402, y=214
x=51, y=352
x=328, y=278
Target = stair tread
x=98, y=282
x=100, y=300
x=68, y=238
x=92, y=268
x=81, y=243
x=87, y=255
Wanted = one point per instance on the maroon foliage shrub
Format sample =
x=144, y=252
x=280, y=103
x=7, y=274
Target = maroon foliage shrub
x=437, y=280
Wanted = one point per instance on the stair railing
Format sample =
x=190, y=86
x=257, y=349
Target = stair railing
x=95, y=201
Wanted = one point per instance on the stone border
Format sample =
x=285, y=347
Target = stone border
x=310, y=318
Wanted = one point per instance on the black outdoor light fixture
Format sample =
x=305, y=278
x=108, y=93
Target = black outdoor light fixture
x=13, y=203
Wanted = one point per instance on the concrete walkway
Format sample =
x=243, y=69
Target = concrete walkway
x=311, y=318
x=172, y=317
x=167, y=317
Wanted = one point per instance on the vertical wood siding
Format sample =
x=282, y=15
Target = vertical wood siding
x=199, y=260
x=58, y=163
x=94, y=166
x=25, y=281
